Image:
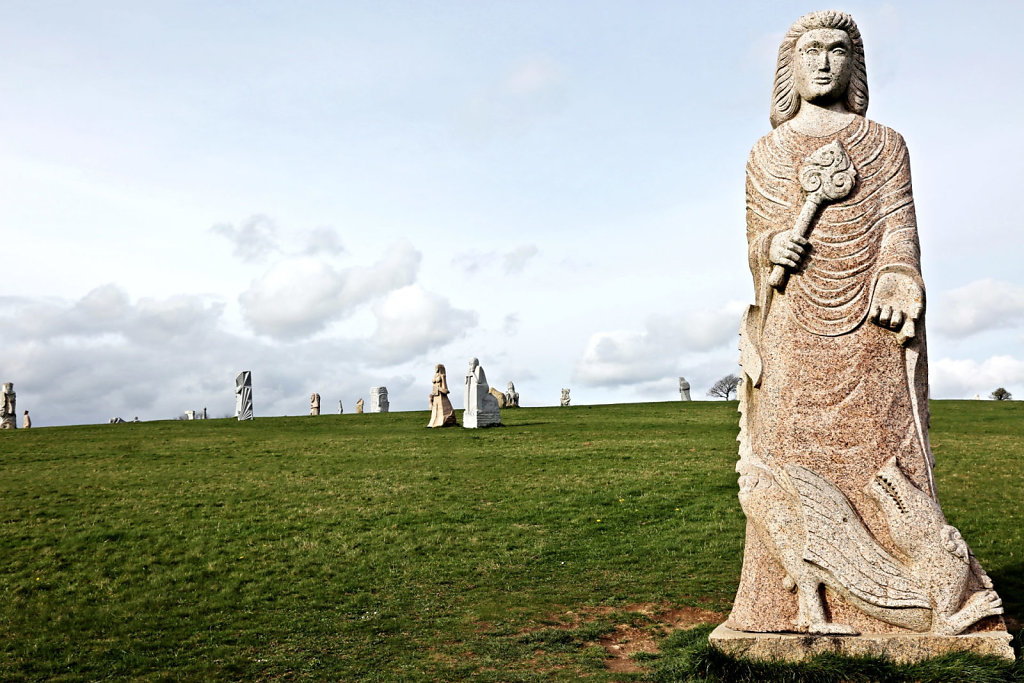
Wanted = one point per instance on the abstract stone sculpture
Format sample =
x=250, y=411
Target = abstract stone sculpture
x=565, y=398
x=511, y=396
x=341, y=410
x=190, y=414
x=359, y=406
x=314, y=404
x=379, y=400
x=27, y=421
x=8, y=406
x=441, y=412
x=845, y=535
x=684, y=389
x=481, y=407
x=243, y=395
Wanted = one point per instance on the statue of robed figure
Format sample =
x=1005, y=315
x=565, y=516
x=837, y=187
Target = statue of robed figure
x=844, y=530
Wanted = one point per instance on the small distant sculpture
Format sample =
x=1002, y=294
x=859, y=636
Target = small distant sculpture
x=684, y=389
x=441, y=412
x=243, y=395
x=314, y=404
x=204, y=414
x=845, y=534
x=511, y=396
x=359, y=406
x=27, y=421
x=379, y=400
x=341, y=411
x=565, y=398
x=116, y=420
x=190, y=414
x=481, y=408
x=8, y=404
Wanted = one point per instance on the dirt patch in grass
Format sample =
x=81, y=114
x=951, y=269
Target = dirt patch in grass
x=647, y=624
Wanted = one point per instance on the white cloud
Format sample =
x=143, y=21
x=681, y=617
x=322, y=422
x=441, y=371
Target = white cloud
x=411, y=322
x=510, y=262
x=515, y=261
x=625, y=357
x=964, y=378
x=977, y=307
x=253, y=240
x=300, y=296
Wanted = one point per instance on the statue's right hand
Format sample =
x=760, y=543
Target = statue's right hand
x=787, y=249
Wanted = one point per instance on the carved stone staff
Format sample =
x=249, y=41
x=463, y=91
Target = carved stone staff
x=826, y=176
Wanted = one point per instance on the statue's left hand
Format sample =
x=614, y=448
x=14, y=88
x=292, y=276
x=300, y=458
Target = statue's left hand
x=898, y=302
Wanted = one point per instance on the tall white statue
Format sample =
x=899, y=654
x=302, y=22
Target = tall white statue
x=8, y=406
x=844, y=535
x=379, y=400
x=684, y=389
x=243, y=395
x=481, y=408
x=565, y=400
x=314, y=404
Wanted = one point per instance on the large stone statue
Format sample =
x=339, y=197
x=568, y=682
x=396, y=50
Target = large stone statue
x=845, y=535
x=379, y=400
x=565, y=400
x=441, y=412
x=243, y=395
x=684, y=389
x=8, y=406
x=511, y=396
x=314, y=404
x=481, y=408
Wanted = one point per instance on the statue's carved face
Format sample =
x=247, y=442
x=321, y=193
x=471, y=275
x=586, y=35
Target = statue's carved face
x=823, y=65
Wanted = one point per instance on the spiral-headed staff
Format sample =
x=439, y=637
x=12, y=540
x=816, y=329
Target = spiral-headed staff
x=826, y=176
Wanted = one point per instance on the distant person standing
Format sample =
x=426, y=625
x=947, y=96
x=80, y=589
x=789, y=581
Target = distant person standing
x=26, y=421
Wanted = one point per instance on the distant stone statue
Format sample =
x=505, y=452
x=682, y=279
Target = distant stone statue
x=341, y=410
x=27, y=422
x=511, y=396
x=190, y=414
x=204, y=414
x=116, y=420
x=314, y=404
x=8, y=407
x=565, y=398
x=481, y=408
x=379, y=400
x=845, y=534
x=498, y=396
x=684, y=389
x=441, y=412
x=243, y=395
x=359, y=406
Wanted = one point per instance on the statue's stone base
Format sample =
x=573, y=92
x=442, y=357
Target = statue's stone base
x=898, y=647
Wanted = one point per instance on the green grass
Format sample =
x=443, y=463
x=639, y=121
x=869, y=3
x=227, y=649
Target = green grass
x=367, y=547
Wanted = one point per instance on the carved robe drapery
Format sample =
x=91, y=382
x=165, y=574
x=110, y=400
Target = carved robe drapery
x=835, y=394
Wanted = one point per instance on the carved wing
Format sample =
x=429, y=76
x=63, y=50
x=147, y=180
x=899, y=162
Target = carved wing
x=838, y=542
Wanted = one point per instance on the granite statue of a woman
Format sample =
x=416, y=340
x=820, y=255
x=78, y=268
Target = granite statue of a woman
x=845, y=535
x=441, y=412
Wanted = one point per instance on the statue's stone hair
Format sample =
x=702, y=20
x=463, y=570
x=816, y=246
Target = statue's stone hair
x=785, y=100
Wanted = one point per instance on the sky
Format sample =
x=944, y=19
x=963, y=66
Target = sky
x=337, y=196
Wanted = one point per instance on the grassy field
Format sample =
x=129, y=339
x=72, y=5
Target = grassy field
x=367, y=547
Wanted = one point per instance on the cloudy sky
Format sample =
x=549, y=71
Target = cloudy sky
x=339, y=195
